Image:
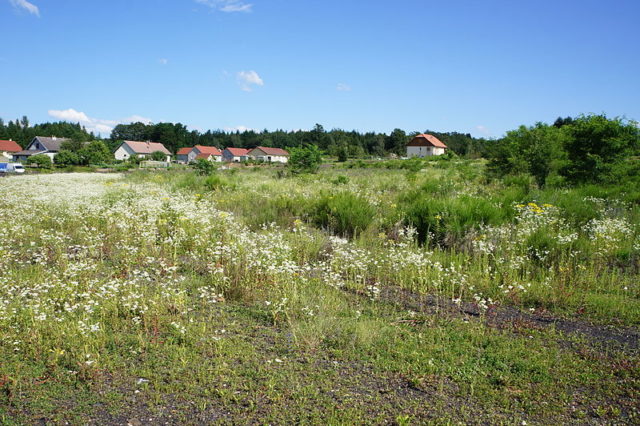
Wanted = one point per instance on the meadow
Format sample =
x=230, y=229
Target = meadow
x=393, y=292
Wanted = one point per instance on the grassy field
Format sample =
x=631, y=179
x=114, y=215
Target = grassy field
x=357, y=295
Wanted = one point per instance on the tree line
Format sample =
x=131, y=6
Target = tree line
x=588, y=149
x=174, y=136
x=584, y=149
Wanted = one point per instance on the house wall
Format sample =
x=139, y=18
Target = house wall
x=227, y=156
x=124, y=153
x=424, y=151
x=259, y=155
x=270, y=158
x=182, y=158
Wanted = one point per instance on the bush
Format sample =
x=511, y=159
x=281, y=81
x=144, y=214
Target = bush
x=95, y=152
x=305, y=160
x=340, y=180
x=41, y=160
x=67, y=158
x=442, y=221
x=344, y=213
x=215, y=182
x=204, y=167
x=597, y=148
x=158, y=156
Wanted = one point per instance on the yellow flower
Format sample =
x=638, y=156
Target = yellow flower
x=438, y=217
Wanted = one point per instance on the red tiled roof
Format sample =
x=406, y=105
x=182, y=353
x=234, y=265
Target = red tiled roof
x=184, y=151
x=272, y=151
x=238, y=152
x=9, y=146
x=204, y=156
x=426, y=140
x=208, y=150
x=146, y=147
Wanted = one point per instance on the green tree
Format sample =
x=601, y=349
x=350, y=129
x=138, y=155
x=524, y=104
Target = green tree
x=41, y=160
x=204, y=167
x=67, y=158
x=158, y=156
x=597, y=147
x=306, y=159
x=397, y=142
x=537, y=150
x=95, y=152
x=343, y=153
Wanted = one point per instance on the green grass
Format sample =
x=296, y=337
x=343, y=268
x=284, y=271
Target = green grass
x=249, y=296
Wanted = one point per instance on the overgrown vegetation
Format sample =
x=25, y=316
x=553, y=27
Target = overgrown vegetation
x=355, y=295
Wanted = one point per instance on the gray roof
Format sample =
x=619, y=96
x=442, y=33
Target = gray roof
x=52, y=144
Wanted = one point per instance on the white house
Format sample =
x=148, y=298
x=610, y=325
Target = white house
x=210, y=153
x=41, y=145
x=127, y=149
x=8, y=149
x=269, y=155
x=425, y=145
x=234, y=155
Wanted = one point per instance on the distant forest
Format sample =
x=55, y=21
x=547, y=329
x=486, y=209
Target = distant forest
x=175, y=136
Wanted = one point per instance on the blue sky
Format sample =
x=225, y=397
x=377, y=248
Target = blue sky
x=482, y=67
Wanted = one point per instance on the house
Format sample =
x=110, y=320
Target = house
x=8, y=148
x=235, y=155
x=41, y=145
x=425, y=145
x=127, y=149
x=182, y=156
x=269, y=155
x=214, y=153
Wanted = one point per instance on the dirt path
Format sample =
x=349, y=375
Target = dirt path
x=504, y=317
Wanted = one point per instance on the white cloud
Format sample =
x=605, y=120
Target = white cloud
x=248, y=78
x=238, y=129
x=227, y=5
x=95, y=125
x=342, y=87
x=69, y=115
x=25, y=5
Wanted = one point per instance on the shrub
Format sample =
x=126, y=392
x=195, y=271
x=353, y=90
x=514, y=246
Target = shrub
x=343, y=213
x=204, y=167
x=67, y=158
x=340, y=180
x=305, y=160
x=41, y=160
x=215, y=182
x=158, y=156
x=597, y=147
x=442, y=221
x=95, y=152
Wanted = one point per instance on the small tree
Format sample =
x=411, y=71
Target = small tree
x=41, y=160
x=343, y=153
x=95, y=152
x=204, y=167
x=305, y=160
x=158, y=156
x=597, y=146
x=67, y=158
